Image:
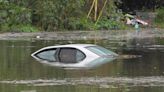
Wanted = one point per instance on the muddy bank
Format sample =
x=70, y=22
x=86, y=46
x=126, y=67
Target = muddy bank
x=84, y=35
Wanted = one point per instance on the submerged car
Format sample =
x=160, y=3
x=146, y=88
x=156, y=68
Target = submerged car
x=74, y=55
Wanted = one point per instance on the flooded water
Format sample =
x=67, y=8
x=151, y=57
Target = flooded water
x=19, y=72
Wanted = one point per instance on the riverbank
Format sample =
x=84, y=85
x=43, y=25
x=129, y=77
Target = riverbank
x=83, y=35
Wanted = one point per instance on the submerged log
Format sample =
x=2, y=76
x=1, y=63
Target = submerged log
x=129, y=56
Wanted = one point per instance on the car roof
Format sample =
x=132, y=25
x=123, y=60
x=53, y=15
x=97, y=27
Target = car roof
x=72, y=45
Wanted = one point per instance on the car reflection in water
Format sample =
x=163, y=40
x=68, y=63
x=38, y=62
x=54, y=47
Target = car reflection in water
x=74, y=55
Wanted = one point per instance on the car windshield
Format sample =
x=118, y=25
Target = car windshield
x=100, y=50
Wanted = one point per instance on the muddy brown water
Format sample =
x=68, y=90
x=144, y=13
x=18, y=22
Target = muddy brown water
x=19, y=72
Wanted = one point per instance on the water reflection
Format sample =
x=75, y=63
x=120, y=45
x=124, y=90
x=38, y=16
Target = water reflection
x=88, y=65
x=16, y=64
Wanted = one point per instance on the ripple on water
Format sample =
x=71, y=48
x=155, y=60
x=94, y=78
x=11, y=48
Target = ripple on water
x=105, y=82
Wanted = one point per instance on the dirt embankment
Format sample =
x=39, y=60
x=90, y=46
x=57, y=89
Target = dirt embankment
x=83, y=35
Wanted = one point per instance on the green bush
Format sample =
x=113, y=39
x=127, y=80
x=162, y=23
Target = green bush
x=159, y=20
x=56, y=14
x=4, y=28
x=109, y=24
x=80, y=24
x=18, y=28
x=13, y=15
x=23, y=28
x=50, y=15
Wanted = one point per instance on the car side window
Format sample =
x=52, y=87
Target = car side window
x=48, y=55
x=79, y=56
x=70, y=55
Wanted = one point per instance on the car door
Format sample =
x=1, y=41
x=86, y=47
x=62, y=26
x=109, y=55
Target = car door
x=70, y=55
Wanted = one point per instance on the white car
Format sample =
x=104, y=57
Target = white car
x=74, y=55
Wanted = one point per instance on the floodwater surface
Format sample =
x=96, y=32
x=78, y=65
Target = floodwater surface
x=19, y=72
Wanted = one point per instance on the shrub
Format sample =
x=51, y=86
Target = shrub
x=13, y=15
x=80, y=24
x=159, y=20
x=23, y=28
x=109, y=24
